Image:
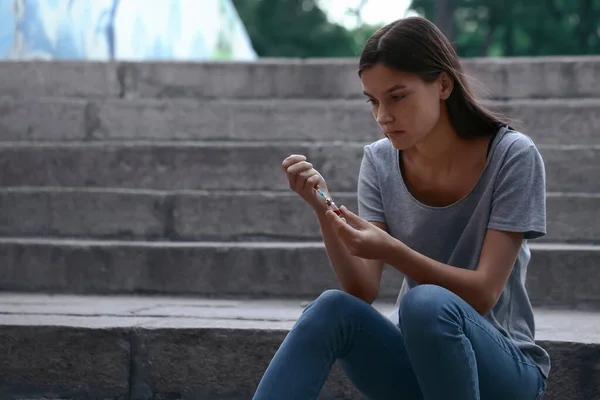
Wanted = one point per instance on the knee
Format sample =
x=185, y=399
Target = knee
x=331, y=308
x=331, y=302
x=422, y=307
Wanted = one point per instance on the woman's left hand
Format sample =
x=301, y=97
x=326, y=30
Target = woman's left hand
x=362, y=239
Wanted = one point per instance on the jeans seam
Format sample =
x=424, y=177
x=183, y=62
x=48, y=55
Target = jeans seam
x=363, y=329
x=316, y=389
x=499, y=343
x=544, y=386
x=472, y=362
x=539, y=395
x=325, y=375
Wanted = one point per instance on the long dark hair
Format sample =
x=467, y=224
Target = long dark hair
x=415, y=45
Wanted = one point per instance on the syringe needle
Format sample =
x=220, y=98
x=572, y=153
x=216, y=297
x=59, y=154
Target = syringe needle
x=328, y=201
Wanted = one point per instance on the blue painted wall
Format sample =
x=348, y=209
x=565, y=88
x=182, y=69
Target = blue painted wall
x=136, y=30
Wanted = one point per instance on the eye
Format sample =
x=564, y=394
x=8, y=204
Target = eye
x=372, y=101
x=398, y=97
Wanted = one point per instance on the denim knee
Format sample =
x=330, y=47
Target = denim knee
x=421, y=308
x=332, y=301
x=327, y=310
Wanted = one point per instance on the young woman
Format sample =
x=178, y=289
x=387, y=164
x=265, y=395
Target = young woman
x=449, y=198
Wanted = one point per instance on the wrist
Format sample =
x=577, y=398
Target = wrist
x=391, y=248
x=320, y=212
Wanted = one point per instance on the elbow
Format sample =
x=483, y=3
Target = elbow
x=368, y=295
x=370, y=298
x=483, y=308
x=485, y=301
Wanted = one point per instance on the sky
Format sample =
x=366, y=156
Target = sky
x=374, y=12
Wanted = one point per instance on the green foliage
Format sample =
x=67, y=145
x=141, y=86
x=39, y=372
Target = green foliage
x=361, y=34
x=293, y=28
x=478, y=28
x=521, y=27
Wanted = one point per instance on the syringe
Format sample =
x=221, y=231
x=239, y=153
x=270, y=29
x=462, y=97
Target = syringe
x=328, y=201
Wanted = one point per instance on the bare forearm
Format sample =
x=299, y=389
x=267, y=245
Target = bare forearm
x=352, y=272
x=467, y=284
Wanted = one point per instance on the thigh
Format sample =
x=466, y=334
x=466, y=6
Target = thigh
x=504, y=371
x=376, y=361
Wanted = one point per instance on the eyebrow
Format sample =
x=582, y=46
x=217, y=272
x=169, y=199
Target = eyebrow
x=390, y=90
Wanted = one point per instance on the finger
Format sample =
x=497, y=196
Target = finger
x=353, y=218
x=294, y=172
x=333, y=219
x=339, y=224
x=312, y=180
x=301, y=177
x=299, y=167
x=345, y=233
x=291, y=160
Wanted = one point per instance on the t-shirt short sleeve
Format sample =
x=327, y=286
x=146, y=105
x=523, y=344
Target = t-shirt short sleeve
x=519, y=198
x=370, y=203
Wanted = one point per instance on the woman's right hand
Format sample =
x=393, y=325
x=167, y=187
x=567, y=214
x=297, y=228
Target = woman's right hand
x=302, y=178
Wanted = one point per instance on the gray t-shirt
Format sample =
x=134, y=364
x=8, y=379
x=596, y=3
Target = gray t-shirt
x=510, y=195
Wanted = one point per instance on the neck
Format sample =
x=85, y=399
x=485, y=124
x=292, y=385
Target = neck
x=441, y=147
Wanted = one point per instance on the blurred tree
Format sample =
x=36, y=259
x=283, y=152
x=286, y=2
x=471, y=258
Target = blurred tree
x=443, y=17
x=517, y=27
x=294, y=28
x=361, y=35
x=356, y=12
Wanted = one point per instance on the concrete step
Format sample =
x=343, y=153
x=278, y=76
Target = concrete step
x=138, y=347
x=230, y=165
x=559, y=275
x=219, y=216
x=524, y=77
x=553, y=121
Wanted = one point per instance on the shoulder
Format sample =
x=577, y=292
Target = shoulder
x=513, y=143
x=516, y=162
x=377, y=160
x=380, y=151
x=515, y=151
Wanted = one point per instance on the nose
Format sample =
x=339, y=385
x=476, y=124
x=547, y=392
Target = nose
x=383, y=116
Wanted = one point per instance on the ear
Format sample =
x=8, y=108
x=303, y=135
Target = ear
x=446, y=85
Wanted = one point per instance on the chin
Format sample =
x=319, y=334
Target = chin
x=400, y=144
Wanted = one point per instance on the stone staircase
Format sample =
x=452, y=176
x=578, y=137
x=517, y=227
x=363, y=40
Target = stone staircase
x=120, y=181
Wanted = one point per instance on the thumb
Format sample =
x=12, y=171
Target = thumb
x=354, y=219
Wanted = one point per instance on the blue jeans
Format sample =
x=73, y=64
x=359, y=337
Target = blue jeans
x=442, y=350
